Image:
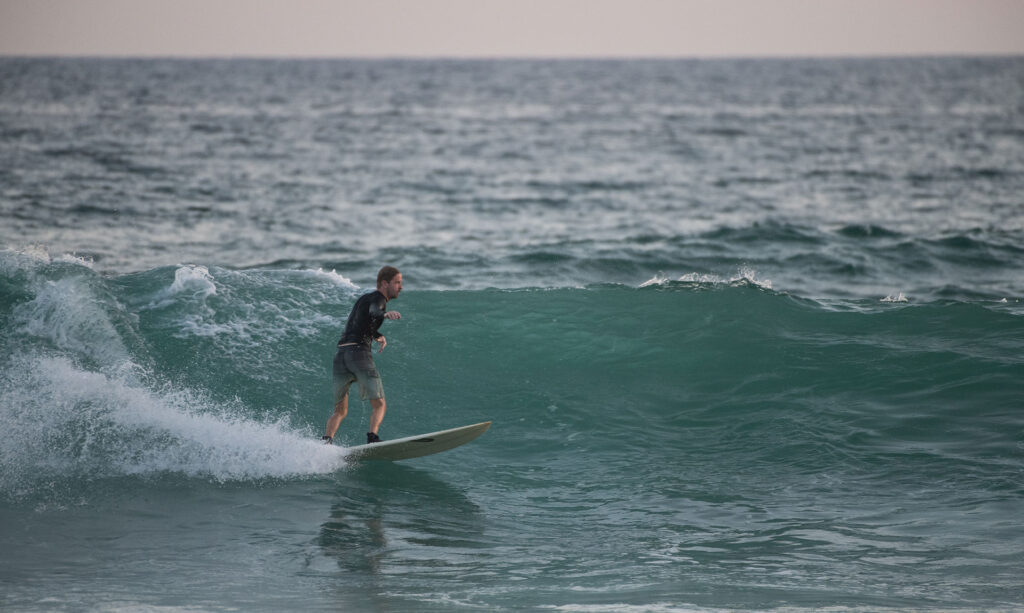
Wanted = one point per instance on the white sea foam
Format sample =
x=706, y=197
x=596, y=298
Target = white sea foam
x=68, y=307
x=34, y=256
x=70, y=258
x=658, y=279
x=190, y=281
x=230, y=308
x=895, y=297
x=749, y=275
x=335, y=278
x=195, y=280
x=77, y=405
x=63, y=420
x=743, y=275
x=694, y=277
x=70, y=315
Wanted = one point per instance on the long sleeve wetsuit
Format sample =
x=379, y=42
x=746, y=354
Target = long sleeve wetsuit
x=365, y=319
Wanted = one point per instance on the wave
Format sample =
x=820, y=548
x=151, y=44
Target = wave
x=87, y=392
x=744, y=276
x=65, y=422
x=223, y=374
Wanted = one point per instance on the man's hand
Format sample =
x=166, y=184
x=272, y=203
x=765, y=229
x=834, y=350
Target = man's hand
x=392, y=315
x=383, y=343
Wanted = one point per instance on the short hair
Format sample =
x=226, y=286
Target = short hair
x=386, y=274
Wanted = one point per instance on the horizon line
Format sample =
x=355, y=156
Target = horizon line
x=525, y=57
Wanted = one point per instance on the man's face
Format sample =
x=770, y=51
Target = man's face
x=392, y=288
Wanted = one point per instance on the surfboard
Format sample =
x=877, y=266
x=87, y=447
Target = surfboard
x=419, y=445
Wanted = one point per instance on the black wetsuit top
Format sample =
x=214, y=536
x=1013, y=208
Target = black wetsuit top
x=365, y=319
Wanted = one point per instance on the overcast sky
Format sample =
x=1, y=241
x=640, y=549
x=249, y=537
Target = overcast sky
x=510, y=28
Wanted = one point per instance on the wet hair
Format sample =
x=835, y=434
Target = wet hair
x=386, y=274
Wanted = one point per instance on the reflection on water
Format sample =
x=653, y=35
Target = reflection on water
x=391, y=519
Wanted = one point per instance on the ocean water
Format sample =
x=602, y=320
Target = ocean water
x=750, y=334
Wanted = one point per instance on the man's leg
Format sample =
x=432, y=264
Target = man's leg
x=340, y=411
x=377, y=414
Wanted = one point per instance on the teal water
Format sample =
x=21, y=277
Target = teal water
x=749, y=332
x=680, y=445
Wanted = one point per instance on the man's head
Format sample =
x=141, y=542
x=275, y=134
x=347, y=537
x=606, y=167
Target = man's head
x=389, y=282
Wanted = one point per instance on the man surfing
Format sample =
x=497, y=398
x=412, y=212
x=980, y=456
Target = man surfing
x=354, y=361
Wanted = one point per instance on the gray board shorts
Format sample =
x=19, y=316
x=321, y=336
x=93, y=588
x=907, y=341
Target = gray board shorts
x=355, y=363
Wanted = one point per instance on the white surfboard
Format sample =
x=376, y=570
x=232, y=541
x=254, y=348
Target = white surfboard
x=419, y=445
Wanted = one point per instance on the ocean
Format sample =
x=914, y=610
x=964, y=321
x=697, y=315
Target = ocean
x=750, y=334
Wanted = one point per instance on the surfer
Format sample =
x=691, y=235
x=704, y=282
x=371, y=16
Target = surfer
x=354, y=361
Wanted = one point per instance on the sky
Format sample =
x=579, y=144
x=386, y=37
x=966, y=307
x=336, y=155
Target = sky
x=511, y=28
